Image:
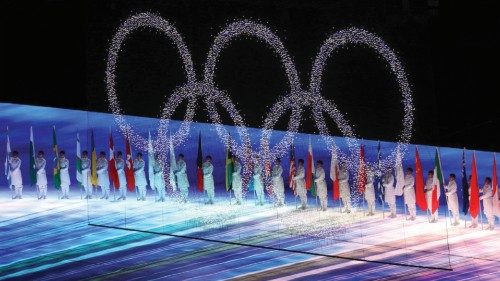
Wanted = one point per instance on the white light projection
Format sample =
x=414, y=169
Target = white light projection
x=297, y=100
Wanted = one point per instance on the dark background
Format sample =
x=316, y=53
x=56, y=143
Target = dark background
x=54, y=54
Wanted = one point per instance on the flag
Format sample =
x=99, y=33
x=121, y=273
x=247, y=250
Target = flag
x=151, y=159
x=496, y=199
x=199, y=164
x=8, y=154
x=229, y=168
x=293, y=170
x=310, y=185
x=437, y=181
x=334, y=174
x=129, y=165
x=173, y=166
x=32, y=159
x=57, y=168
x=474, y=190
x=112, y=172
x=93, y=160
x=419, y=183
x=465, y=187
x=379, y=174
x=400, y=176
x=362, y=170
x=79, y=176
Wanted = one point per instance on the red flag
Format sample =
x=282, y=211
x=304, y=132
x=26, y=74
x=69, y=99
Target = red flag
x=293, y=170
x=112, y=172
x=362, y=170
x=309, y=167
x=419, y=183
x=129, y=166
x=474, y=190
x=199, y=164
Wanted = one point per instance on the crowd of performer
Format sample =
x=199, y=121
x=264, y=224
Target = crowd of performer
x=157, y=183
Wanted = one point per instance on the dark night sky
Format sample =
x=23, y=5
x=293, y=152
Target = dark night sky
x=54, y=52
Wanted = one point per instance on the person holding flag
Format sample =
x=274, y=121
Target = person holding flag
x=278, y=184
x=182, y=179
x=258, y=185
x=159, y=180
x=452, y=198
x=208, y=179
x=389, y=192
x=345, y=191
x=319, y=180
x=120, y=172
x=409, y=194
x=64, y=172
x=103, y=175
x=370, y=191
x=16, y=177
x=487, y=199
x=41, y=175
x=429, y=188
x=140, y=177
x=87, y=186
x=300, y=184
x=236, y=183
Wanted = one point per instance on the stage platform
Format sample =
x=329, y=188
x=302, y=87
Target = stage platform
x=129, y=240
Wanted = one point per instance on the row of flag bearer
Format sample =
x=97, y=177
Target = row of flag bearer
x=127, y=174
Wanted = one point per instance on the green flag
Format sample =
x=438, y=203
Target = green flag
x=229, y=169
x=32, y=159
x=57, y=168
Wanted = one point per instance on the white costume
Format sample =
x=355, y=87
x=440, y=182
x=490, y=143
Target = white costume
x=140, y=178
x=370, y=192
x=159, y=180
x=389, y=192
x=236, y=183
x=487, y=198
x=257, y=183
x=345, y=191
x=41, y=177
x=208, y=180
x=278, y=184
x=300, y=186
x=182, y=179
x=451, y=194
x=429, y=184
x=103, y=177
x=85, y=178
x=409, y=196
x=319, y=179
x=120, y=170
x=65, y=181
x=16, y=178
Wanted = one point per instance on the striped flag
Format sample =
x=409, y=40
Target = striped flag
x=310, y=185
x=293, y=170
x=8, y=154
x=129, y=165
x=93, y=160
x=465, y=187
x=474, y=190
x=362, y=170
x=79, y=176
x=199, y=165
x=438, y=181
x=419, y=183
x=112, y=172
x=32, y=159
x=57, y=167
x=334, y=174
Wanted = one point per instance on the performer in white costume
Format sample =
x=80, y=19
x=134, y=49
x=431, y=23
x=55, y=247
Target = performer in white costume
x=16, y=178
x=208, y=179
x=345, y=191
x=257, y=181
x=278, y=184
x=86, y=175
x=487, y=198
x=159, y=180
x=389, y=192
x=370, y=191
x=102, y=175
x=140, y=177
x=319, y=179
x=120, y=169
x=236, y=183
x=41, y=175
x=65, y=180
x=409, y=194
x=182, y=179
x=429, y=184
x=451, y=194
x=300, y=183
